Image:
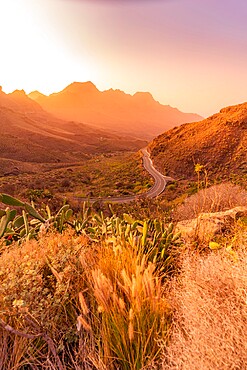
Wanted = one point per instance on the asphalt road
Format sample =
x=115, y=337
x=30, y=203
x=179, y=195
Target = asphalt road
x=160, y=182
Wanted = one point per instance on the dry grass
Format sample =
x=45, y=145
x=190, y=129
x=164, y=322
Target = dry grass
x=72, y=304
x=131, y=311
x=209, y=330
x=38, y=299
x=214, y=199
x=68, y=302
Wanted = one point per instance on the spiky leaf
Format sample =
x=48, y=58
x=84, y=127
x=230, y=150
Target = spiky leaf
x=144, y=233
x=2, y=213
x=128, y=218
x=11, y=201
x=18, y=222
x=3, y=225
x=32, y=212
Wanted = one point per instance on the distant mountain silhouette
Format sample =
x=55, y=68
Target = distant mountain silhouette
x=23, y=102
x=29, y=134
x=139, y=115
x=218, y=142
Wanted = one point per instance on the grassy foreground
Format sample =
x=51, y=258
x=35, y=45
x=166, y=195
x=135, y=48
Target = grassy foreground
x=94, y=292
x=74, y=304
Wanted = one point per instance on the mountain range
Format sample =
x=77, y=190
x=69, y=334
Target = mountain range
x=30, y=134
x=51, y=129
x=113, y=110
x=219, y=143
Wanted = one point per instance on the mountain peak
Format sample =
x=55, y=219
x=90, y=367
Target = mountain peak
x=115, y=91
x=233, y=109
x=18, y=93
x=144, y=96
x=24, y=102
x=81, y=87
x=139, y=114
x=34, y=95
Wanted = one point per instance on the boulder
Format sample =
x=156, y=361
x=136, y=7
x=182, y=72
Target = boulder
x=208, y=225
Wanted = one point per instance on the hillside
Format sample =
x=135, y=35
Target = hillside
x=218, y=142
x=29, y=134
x=139, y=115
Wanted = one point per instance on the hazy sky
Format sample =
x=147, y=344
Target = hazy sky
x=191, y=54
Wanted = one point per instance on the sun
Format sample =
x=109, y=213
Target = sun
x=32, y=56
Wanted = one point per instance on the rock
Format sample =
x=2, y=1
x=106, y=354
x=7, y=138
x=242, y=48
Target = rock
x=208, y=225
x=14, y=172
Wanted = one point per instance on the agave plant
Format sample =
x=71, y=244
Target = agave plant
x=156, y=240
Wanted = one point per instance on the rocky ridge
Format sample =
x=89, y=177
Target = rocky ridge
x=219, y=143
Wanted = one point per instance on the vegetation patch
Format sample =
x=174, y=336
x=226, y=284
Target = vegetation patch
x=102, y=176
x=88, y=288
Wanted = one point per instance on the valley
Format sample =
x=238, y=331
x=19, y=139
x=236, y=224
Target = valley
x=31, y=135
x=52, y=157
x=45, y=153
x=96, y=226
x=105, y=175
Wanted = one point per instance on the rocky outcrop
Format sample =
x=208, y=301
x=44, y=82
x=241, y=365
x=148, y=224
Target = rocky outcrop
x=208, y=225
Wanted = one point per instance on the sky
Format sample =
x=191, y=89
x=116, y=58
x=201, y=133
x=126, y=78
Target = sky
x=190, y=54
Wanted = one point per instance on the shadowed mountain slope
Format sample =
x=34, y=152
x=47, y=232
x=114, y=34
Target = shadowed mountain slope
x=139, y=115
x=218, y=142
x=30, y=134
x=23, y=103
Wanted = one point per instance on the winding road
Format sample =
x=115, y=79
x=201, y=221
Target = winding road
x=160, y=182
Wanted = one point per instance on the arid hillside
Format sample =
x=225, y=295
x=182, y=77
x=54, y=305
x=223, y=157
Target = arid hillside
x=139, y=115
x=218, y=142
x=29, y=134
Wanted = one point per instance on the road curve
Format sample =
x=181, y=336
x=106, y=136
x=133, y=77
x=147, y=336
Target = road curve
x=160, y=182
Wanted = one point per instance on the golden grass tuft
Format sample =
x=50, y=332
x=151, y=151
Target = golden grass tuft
x=132, y=311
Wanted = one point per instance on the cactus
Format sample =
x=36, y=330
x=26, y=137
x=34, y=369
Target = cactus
x=15, y=227
x=10, y=201
x=150, y=237
x=144, y=234
x=32, y=212
x=5, y=220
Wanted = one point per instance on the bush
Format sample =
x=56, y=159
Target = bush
x=214, y=199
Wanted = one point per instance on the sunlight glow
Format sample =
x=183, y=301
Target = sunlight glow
x=31, y=56
x=186, y=53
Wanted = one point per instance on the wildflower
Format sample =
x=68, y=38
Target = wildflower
x=18, y=303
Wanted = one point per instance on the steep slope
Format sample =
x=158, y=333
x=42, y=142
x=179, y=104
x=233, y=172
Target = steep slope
x=218, y=142
x=30, y=134
x=24, y=103
x=139, y=115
